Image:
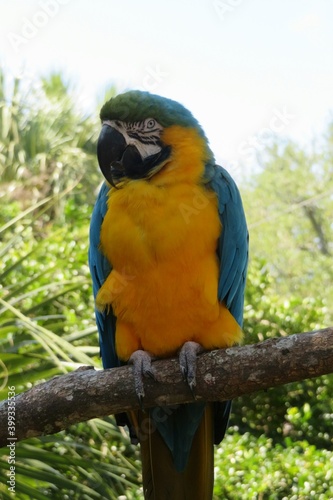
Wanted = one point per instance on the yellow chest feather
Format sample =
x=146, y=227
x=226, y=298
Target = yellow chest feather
x=161, y=243
x=146, y=225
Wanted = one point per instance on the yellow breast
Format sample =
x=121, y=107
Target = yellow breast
x=160, y=237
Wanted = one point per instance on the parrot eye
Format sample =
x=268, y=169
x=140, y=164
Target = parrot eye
x=150, y=123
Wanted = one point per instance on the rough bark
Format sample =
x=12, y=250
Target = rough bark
x=223, y=374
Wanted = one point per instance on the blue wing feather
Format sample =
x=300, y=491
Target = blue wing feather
x=100, y=268
x=233, y=243
x=233, y=255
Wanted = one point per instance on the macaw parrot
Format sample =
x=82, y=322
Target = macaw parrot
x=168, y=258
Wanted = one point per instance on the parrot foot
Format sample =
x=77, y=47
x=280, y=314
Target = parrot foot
x=188, y=363
x=142, y=367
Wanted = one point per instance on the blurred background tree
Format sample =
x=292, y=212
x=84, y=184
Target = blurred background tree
x=289, y=206
x=280, y=444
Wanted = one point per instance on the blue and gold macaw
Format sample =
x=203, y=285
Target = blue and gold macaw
x=168, y=257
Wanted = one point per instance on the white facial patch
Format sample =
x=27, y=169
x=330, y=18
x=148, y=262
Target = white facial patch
x=144, y=135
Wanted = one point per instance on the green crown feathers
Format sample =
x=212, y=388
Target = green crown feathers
x=137, y=105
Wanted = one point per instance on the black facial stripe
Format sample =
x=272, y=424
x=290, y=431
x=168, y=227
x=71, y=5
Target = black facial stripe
x=151, y=139
x=139, y=127
x=134, y=125
x=154, y=131
x=134, y=135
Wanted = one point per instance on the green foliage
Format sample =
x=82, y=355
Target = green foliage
x=289, y=208
x=37, y=301
x=249, y=467
x=12, y=153
x=90, y=460
x=274, y=412
x=46, y=144
x=289, y=287
x=269, y=314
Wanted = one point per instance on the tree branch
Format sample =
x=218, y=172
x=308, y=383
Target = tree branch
x=312, y=212
x=224, y=374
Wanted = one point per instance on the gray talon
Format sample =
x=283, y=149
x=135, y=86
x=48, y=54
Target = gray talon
x=150, y=374
x=184, y=373
x=142, y=367
x=188, y=363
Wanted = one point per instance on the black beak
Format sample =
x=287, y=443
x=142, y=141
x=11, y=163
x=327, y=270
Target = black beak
x=118, y=160
x=110, y=149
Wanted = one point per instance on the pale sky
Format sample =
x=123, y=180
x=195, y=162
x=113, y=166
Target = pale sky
x=245, y=68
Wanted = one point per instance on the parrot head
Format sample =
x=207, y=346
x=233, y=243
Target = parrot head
x=141, y=135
